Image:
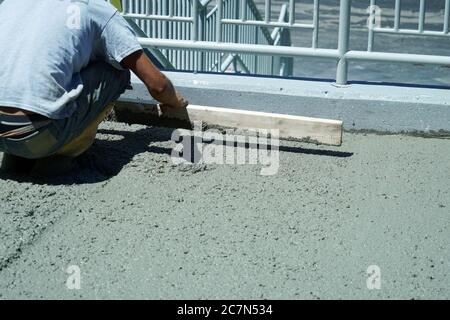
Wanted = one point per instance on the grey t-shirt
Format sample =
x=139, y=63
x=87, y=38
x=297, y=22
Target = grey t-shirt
x=44, y=44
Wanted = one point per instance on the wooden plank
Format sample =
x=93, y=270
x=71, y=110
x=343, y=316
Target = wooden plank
x=321, y=131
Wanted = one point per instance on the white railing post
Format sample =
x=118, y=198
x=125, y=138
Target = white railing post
x=371, y=24
x=398, y=10
x=195, y=31
x=219, y=20
x=421, y=16
x=195, y=19
x=315, y=37
x=343, y=42
x=446, y=15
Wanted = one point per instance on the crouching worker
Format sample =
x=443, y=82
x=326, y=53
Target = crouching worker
x=62, y=64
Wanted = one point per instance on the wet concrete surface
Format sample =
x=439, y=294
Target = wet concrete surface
x=139, y=226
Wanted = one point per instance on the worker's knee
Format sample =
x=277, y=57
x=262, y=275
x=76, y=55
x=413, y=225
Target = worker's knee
x=101, y=75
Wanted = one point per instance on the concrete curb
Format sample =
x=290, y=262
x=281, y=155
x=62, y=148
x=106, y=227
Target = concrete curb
x=380, y=108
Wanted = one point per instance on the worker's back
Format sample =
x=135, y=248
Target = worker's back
x=44, y=46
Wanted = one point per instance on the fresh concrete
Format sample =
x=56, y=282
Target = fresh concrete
x=140, y=227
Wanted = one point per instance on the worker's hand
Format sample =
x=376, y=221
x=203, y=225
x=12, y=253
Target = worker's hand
x=178, y=102
x=157, y=83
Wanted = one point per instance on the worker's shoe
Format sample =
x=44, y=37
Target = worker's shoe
x=14, y=164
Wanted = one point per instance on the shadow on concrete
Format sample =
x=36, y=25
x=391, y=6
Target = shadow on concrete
x=317, y=152
x=108, y=156
x=105, y=159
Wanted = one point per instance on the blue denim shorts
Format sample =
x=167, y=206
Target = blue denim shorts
x=102, y=84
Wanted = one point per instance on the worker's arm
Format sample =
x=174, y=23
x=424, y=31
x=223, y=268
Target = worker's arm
x=156, y=82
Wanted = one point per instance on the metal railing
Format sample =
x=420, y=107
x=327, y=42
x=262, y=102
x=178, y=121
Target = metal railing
x=223, y=36
x=196, y=20
x=420, y=31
